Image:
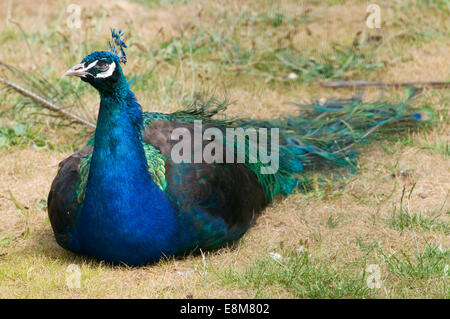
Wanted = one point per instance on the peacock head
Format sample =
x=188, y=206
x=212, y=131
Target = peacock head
x=101, y=69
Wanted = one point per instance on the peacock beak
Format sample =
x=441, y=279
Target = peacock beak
x=77, y=70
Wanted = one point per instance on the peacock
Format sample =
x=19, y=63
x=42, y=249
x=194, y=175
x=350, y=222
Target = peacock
x=125, y=198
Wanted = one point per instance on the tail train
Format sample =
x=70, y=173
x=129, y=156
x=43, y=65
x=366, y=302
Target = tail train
x=324, y=134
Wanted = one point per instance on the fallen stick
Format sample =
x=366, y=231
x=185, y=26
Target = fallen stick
x=49, y=105
x=343, y=84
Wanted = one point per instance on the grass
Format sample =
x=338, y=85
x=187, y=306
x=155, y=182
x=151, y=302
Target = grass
x=426, y=264
x=22, y=134
x=424, y=269
x=402, y=219
x=296, y=275
x=440, y=147
x=394, y=213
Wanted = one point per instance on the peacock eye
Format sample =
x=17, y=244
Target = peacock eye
x=102, y=66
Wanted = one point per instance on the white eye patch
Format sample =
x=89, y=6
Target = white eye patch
x=90, y=66
x=108, y=72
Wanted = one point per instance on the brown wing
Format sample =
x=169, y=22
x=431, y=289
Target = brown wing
x=62, y=199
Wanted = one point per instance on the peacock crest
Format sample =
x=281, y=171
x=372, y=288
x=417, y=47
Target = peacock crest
x=117, y=44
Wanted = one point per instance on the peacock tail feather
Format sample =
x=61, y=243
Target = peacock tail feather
x=325, y=134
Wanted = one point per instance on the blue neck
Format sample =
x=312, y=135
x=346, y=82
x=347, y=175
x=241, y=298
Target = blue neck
x=125, y=216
